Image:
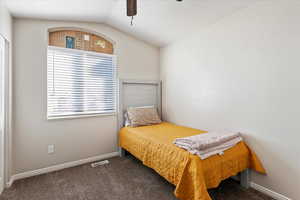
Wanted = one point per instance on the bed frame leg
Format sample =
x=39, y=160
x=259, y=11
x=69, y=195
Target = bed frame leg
x=245, y=178
x=122, y=152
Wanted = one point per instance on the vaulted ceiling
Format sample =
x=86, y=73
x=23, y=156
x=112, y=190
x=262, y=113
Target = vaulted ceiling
x=159, y=22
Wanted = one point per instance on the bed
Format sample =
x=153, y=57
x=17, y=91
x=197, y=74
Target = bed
x=153, y=145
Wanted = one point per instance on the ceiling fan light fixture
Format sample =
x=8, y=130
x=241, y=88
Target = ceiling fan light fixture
x=131, y=9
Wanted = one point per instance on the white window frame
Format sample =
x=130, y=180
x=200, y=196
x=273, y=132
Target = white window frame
x=83, y=115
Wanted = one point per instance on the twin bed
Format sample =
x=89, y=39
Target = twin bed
x=153, y=145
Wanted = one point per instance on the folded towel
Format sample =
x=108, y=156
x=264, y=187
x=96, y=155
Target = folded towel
x=203, y=154
x=206, y=140
x=209, y=144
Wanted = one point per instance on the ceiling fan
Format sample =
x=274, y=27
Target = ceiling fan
x=132, y=9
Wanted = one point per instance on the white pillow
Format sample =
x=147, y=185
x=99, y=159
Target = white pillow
x=142, y=116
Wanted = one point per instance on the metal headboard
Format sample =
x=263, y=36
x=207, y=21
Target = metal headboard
x=138, y=93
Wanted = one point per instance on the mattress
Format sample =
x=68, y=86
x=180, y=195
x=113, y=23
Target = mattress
x=153, y=145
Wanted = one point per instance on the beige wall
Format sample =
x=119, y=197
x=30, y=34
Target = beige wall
x=242, y=73
x=74, y=139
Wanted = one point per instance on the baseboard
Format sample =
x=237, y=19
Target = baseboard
x=268, y=192
x=59, y=167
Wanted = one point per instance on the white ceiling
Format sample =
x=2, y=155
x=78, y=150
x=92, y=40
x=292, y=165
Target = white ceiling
x=158, y=22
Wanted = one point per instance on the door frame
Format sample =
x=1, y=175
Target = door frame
x=6, y=108
x=2, y=131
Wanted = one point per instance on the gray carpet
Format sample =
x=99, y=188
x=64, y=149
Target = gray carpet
x=122, y=179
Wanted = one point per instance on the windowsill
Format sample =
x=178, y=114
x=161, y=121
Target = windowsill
x=81, y=116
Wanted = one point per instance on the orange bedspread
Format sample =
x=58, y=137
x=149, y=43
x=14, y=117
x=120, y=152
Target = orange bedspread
x=153, y=145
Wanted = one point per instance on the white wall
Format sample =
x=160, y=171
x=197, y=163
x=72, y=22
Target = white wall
x=74, y=139
x=242, y=73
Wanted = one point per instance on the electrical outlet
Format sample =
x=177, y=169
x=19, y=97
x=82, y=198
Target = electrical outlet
x=50, y=148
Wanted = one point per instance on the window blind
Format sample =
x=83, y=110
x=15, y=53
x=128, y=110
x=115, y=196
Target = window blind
x=80, y=83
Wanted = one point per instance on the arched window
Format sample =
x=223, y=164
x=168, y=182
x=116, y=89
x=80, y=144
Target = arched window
x=81, y=75
x=80, y=40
